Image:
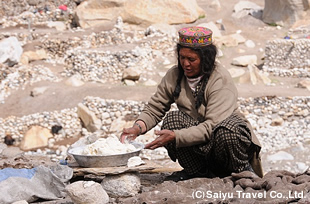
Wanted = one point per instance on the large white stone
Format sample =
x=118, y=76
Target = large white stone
x=231, y=40
x=305, y=83
x=281, y=155
x=35, y=137
x=131, y=73
x=89, y=192
x=245, y=60
x=103, y=12
x=282, y=12
x=122, y=185
x=38, y=91
x=75, y=81
x=89, y=118
x=10, y=51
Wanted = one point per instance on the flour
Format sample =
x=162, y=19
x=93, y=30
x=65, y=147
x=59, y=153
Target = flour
x=107, y=146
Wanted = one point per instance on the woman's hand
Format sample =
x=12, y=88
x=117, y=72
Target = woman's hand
x=164, y=137
x=129, y=134
x=132, y=133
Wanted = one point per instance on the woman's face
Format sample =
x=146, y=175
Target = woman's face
x=190, y=62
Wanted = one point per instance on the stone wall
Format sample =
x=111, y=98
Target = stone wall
x=286, y=55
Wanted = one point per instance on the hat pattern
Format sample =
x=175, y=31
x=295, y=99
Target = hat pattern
x=195, y=36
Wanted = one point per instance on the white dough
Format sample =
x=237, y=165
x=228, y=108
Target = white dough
x=107, y=146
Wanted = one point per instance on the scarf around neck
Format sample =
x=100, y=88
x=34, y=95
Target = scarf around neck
x=193, y=82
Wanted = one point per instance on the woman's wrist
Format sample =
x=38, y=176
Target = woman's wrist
x=139, y=126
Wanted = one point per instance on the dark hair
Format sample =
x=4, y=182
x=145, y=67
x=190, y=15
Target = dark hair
x=207, y=56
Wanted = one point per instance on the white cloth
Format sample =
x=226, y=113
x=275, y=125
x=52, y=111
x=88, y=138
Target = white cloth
x=192, y=82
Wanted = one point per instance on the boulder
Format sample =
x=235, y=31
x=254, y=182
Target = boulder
x=305, y=83
x=75, y=81
x=11, y=152
x=102, y=12
x=89, y=119
x=254, y=76
x=280, y=155
x=243, y=8
x=98, y=12
x=10, y=51
x=87, y=192
x=35, y=137
x=284, y=12
x=131, y=73
x=161, y=11
x=244, y=60
x=38, y=91
x=129, y=82
x=30, y=56
x=122, y=185
x=231, y=40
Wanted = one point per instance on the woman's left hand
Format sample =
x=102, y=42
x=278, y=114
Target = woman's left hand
x=164, y=137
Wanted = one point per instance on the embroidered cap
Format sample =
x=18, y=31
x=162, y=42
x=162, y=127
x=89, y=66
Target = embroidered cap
x=195, y=36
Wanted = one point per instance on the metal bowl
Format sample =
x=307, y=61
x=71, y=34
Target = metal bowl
x=104, y=161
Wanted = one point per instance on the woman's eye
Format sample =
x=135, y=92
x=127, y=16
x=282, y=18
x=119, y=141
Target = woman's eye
x=191, y=59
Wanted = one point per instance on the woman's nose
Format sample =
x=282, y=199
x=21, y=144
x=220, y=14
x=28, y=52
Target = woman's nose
x=186, y=63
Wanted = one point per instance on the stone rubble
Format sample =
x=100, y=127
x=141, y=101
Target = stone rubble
x=19, y=76
x=244, y=187
x=37, y=13
x=261, y=112
x=286, y=57
x=95, y=64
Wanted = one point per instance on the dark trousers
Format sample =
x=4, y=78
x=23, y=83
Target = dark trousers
x=229, y=149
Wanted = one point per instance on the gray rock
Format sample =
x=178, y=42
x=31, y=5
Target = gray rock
x=131, y=73
x=10, y=51
x=281, y=155
x=87, y=192
x=284, y=12
x=11, y=152
x=245, y=60
x=38, y=91
x=91, y=122
x=244, y=8
x=122, y=185
x=2, y=147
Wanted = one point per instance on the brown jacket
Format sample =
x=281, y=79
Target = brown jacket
x=220, y=101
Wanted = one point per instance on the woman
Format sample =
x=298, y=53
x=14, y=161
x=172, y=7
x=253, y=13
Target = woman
x=207, y=135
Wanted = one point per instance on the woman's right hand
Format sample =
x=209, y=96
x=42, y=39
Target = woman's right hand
x=129, y=133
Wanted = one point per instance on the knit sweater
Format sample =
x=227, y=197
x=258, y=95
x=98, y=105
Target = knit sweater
x=220, y=101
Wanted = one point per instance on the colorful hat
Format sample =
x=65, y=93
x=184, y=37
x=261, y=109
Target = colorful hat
x=195, y=36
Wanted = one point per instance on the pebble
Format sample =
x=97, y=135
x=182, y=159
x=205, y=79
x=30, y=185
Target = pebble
x=273, y=138
x=288, y=58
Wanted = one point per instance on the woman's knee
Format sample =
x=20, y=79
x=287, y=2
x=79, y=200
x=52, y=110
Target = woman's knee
x=227, y=138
